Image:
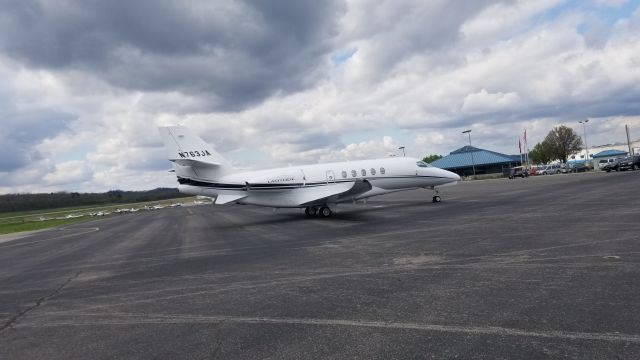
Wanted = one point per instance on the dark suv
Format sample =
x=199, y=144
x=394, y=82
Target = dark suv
x=628, y=163
x=612, y=165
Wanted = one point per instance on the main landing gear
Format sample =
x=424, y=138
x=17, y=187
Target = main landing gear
x=323, y=211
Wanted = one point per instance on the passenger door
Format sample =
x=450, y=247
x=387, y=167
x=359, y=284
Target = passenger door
x=331, y=177
x=304, y=178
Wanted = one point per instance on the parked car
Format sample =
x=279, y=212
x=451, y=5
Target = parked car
x=540, y=170
x=549, y=170
x=603, y=162
x=628, y=163
x=576, y=168
x=609, y=166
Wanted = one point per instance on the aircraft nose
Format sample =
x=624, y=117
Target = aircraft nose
x=450, y=176
x=453, y=176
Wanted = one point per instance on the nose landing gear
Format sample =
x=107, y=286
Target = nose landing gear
x=436, y=198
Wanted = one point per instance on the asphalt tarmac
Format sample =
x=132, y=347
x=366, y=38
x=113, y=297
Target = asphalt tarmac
x=537, y=268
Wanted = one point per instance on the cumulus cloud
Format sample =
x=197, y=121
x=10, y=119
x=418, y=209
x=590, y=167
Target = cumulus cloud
x=85, y=83
x=21, y=132
x=233, y=54
x=68, y=172
x=377, y=148
x=484, y=102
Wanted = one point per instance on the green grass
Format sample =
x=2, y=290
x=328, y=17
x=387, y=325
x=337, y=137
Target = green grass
x=88, y=208
x=9, y=228
x=31, y=220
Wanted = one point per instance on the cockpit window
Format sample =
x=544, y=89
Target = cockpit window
x=422, y=164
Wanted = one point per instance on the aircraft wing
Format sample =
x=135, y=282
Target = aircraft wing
x=225, y=199
x=333, y=193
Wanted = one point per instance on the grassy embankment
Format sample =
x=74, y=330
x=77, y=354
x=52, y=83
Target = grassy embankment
x=33, y=220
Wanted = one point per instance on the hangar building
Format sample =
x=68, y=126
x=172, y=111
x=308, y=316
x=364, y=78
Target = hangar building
x=461, y=161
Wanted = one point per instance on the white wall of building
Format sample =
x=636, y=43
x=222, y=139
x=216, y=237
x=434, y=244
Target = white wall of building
x=581, y=155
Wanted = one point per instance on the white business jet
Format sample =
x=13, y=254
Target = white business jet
x=316, y=188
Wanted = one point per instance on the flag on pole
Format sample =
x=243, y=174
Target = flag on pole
x=519, y=145
x=525, y=136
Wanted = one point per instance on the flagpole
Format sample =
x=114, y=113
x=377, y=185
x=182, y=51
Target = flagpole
x=520, y=149
x=526, y=148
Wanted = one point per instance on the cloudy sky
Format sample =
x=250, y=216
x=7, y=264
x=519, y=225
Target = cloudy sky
x=86, y=82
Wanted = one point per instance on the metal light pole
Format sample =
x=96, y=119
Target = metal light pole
x=402, y=148
x=586, y=147
x=626, y=127
x=473, y=163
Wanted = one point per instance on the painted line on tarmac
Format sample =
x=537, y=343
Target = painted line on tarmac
x=21, y=243
x=15, y=236
x=137, y=319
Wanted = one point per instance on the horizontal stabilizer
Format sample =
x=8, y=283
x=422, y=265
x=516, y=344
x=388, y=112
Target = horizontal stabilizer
x=194, y=163
x=224, y=199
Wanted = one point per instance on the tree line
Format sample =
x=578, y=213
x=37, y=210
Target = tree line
x=28, y=202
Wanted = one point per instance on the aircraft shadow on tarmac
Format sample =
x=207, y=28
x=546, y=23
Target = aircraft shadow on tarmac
x=360, y=213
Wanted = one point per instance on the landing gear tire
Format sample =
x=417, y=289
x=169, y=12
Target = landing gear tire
x=311, y=211
x=436, y=199
x=325, y=212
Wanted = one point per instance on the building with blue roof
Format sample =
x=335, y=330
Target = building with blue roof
x=612, y=153
x=462, y=161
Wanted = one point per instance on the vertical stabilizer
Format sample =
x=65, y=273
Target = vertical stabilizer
x=191, y=156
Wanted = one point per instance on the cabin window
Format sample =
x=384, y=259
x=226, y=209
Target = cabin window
x=344, y=174
x=354, y=173
x=363, y=172
x=382, y=171
x=373, y=171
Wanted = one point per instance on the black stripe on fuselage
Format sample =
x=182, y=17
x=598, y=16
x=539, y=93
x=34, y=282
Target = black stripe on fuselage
x=226, y=186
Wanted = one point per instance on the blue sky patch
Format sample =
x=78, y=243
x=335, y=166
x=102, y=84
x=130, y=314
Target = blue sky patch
x=340, y=57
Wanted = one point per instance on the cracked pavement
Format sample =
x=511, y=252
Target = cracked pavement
x=544, y=267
